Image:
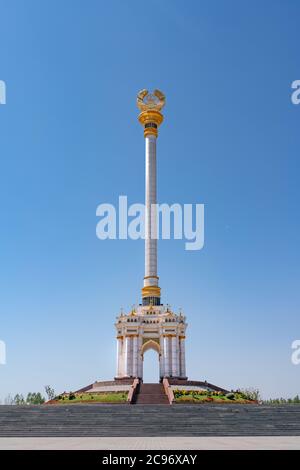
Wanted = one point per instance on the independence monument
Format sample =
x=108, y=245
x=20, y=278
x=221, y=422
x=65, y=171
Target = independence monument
x=151, y=325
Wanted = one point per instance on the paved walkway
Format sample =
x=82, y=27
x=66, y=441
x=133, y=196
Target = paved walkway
x=151, y=443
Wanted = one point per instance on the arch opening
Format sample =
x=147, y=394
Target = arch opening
x=150, y=359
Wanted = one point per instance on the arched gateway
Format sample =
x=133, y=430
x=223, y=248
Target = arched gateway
x=151, y=327
x=151, y=324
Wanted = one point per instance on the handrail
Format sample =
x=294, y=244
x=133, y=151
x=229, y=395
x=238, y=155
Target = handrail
x=168, y=390
x=132, y=390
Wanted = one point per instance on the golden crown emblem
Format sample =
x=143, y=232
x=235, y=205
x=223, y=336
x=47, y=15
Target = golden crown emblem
x=150, y=101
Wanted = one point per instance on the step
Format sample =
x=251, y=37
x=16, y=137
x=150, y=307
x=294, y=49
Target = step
x=151, y=394
x=150, y=420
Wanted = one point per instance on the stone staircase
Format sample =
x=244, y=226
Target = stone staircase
x=151, y=394
x=149, y=420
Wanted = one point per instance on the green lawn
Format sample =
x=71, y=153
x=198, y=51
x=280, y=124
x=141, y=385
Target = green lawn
x=110, y=397
x=191, y=396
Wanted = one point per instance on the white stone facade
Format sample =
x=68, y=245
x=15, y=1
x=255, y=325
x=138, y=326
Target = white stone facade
x=151, y=327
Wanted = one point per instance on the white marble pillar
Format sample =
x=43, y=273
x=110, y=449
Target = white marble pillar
x=131, y=357
x=166, y=357
x=127, y=356
x=182, y=358
x=119, y=357
x=135, y=357
x=140, y=358
x=161, y=357
x=150, y=215
x=175, y=371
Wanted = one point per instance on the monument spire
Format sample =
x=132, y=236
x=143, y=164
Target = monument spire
x=150, y=105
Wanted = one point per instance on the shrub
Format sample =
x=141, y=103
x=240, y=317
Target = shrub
x=230, y=396
x=250, y=394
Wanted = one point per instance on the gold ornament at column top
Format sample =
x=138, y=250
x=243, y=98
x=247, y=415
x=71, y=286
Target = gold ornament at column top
x=150, y=105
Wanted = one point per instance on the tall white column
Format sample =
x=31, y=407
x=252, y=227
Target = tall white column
x=140, y=359
x=119, y=357
x=151, y=216
x=150, y=118
x=127, y=356
x=182, y=358
x=131, y=357
x=135, y=357
x=161, y=357
x=174, y=356
x=166, y=357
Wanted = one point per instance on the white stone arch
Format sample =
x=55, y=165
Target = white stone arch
x=150, y=344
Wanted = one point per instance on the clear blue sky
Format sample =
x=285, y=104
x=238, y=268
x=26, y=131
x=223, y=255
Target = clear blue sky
x=70, y=140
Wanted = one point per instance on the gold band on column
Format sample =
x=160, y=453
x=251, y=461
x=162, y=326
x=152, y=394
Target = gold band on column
x=151, y=291
x=148, y=118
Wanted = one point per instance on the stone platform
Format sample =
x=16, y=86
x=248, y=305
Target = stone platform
x=145, y=393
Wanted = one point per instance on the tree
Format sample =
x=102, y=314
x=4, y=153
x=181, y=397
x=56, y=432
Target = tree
x=35, y=398
x=19, y=400
x=50, y=392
